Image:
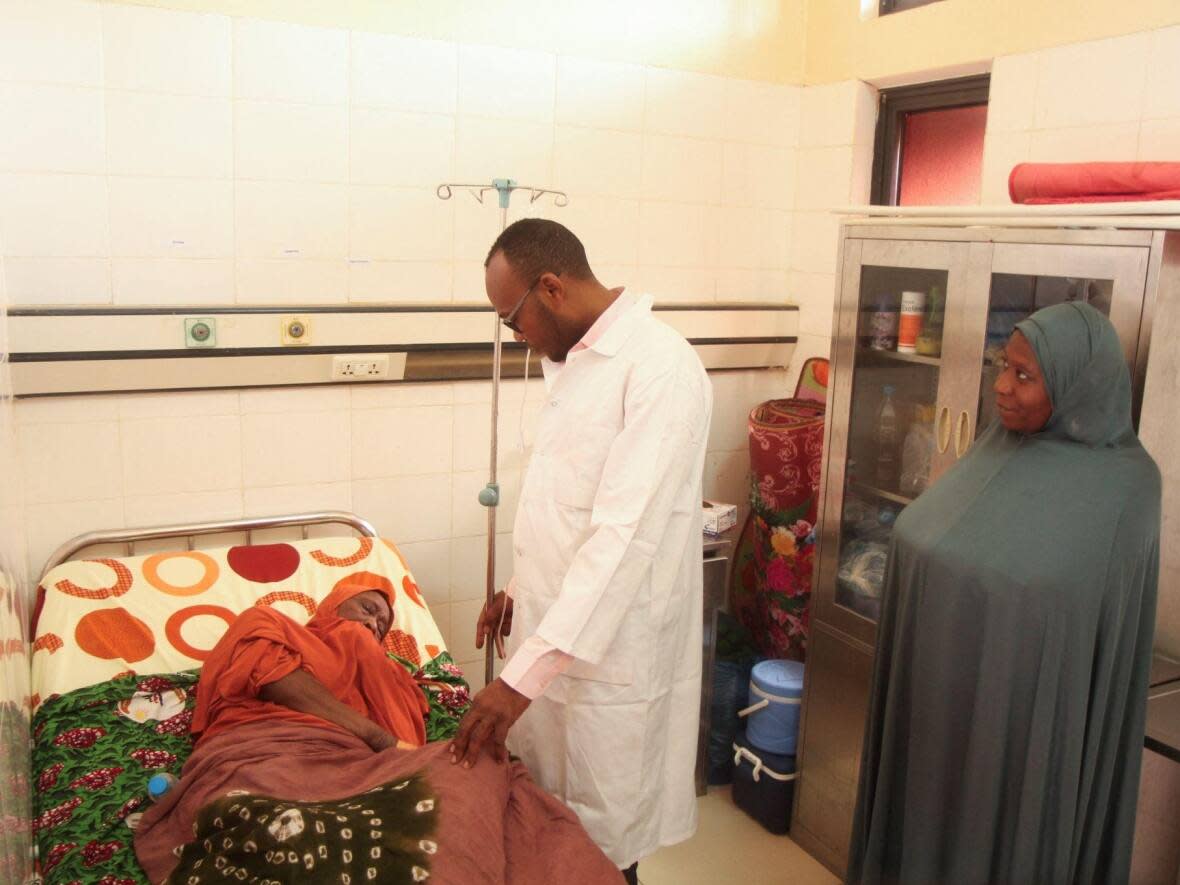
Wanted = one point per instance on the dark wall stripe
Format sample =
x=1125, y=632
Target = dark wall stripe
x=297, y=310
x=214, y=353
x=509, y=373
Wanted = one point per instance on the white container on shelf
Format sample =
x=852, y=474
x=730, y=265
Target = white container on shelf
x=909, y=323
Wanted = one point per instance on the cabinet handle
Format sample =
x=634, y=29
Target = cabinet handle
x=944, y=429
x=962, y=434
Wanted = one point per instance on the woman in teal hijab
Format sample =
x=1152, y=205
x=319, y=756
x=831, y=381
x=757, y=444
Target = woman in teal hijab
x=1007, y=710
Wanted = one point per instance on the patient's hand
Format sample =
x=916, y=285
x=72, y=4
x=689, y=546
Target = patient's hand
x=380, y=739
x=301, y=691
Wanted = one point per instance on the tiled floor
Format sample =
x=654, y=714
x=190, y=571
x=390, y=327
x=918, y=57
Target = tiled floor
x=730, y=847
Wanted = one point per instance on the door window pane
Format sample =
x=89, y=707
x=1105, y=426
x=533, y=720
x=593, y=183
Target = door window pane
x=942, y=157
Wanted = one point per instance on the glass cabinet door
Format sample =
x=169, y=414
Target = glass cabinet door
x=898, y=319
x=1026, y=278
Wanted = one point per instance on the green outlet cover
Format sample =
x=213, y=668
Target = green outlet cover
x=200, y=332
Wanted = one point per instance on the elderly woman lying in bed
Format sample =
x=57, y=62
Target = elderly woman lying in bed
x=333, y=670
x=310, y=765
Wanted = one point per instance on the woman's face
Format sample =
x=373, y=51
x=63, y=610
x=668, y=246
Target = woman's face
x=1021, y=398
x=370, y=609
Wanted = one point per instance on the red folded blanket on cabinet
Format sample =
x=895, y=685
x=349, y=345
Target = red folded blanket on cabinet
x=1093, y=182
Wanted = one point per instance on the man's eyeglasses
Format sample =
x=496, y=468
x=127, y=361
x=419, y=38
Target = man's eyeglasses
x=510, y=320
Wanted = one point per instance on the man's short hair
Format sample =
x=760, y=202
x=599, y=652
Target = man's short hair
x=533, y=246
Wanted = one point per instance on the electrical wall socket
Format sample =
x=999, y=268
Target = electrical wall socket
x=200, y=332
x=295, y=330
x=361, y=367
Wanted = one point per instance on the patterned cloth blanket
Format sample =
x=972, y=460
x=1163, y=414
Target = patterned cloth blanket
x=96, y=747
x=277, y=802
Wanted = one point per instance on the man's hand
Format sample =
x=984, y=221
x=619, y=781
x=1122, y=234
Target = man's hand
x=492, y=713
x=489, y=618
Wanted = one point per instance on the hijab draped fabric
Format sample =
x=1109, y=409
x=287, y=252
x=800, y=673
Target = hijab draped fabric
x=1007, y=706
x=263, y=646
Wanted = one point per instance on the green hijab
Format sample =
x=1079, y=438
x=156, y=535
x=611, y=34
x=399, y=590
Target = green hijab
x=1085, y=374
x=1006, y=712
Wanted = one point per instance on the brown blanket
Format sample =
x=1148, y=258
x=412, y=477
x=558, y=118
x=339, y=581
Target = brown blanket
x=297, y=803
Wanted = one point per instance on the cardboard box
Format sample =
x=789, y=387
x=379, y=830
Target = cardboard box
x=719, y=517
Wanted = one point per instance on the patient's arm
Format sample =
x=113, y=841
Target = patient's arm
x=301, y=691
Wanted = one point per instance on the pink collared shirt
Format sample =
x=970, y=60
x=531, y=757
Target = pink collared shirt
x=536, y=663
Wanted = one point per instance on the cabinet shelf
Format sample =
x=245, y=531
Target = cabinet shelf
x=868, y=354
x=874, y=492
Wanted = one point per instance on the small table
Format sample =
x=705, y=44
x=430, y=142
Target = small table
x=715, y=551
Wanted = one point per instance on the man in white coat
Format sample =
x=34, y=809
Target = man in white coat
x=603, y=613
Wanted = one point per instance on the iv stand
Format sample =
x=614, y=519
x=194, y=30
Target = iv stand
x=489, y=495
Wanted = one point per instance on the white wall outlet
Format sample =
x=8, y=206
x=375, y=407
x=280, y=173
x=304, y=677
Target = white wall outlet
x=295, y=330
x=361, y=367
x=200, y=332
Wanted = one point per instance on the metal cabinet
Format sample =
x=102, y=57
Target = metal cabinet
x=716, y=570
x=988, y=278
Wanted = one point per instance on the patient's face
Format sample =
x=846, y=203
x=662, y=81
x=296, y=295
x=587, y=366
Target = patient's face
x=370, y=609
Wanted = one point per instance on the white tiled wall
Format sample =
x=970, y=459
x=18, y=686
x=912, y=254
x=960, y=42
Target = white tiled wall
x=834, y=168
x=169, y=157
x=411, y=458
x=1113, y=99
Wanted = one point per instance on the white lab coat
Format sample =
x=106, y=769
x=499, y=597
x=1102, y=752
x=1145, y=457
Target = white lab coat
x=607, y=567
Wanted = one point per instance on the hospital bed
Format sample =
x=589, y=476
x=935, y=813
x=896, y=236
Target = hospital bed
x=118, y=640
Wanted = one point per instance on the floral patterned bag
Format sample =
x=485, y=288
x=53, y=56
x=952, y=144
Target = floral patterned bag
x=771, y=584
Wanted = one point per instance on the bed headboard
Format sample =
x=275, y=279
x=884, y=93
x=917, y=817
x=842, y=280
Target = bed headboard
x=191, y=530
x=101, y=615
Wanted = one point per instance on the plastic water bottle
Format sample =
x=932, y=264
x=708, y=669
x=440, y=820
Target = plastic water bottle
x=885, y=437
x=917, y=452
x=159, y=784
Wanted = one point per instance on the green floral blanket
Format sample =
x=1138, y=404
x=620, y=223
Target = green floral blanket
x=95, y=749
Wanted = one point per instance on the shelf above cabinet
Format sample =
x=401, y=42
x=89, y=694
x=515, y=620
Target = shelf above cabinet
x=874, y=492
x=867, y=354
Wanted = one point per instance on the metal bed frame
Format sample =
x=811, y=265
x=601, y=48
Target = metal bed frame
x=191, y=530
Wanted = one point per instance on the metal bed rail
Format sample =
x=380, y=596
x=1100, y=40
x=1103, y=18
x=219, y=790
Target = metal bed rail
x=129, y=537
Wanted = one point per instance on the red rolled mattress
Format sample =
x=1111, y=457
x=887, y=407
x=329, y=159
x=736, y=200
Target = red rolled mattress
x=1093, y=182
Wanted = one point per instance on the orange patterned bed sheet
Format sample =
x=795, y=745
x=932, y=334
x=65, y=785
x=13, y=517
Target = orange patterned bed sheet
x=104, y=617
